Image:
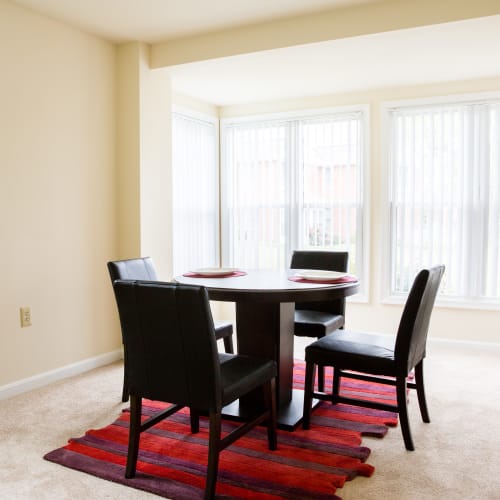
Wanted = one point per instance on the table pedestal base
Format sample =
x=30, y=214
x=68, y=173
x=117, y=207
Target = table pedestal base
x=289, y=415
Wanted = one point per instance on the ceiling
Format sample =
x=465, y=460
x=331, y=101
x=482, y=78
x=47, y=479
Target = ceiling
x=453, y=51
x=159, y=20
x=446, y=52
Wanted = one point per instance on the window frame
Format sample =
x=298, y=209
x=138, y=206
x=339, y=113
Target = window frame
x=387, y=177
x=363, y=232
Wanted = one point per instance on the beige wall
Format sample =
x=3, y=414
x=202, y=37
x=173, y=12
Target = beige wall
x=57, y=194
x=85, y=162
x=144, y=158
x=450, y=323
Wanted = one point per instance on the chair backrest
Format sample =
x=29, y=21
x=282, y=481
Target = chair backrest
x=414, y=324
x=132, y=269
x=169, y=340
x=325, y=261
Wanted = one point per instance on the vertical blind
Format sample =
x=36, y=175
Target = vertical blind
x=255, y=194
x=444, y=203
x=292, y=184
x=195, y=194
x=330, y=198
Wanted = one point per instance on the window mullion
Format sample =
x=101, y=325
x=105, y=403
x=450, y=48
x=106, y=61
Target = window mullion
x=294, y=223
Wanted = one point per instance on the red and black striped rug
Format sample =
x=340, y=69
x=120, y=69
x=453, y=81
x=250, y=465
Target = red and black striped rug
x=307, y=465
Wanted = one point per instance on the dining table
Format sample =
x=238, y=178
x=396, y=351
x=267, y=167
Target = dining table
x=265, y=305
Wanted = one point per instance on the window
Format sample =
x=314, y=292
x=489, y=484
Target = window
x=293, y=183
x=444, y=196
x=195, y=193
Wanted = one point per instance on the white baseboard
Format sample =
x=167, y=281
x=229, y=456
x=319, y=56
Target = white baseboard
x=46, y=378
x=464, y=345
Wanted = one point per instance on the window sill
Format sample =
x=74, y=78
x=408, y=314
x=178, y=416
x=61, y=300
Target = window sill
x=449, y=303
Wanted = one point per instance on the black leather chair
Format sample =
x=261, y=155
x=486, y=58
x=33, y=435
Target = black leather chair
x=374, y=357
x=318, y=319
x=171, y=356
x=143, y=269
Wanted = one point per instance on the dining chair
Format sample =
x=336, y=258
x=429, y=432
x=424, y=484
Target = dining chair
x=143, y=268
x=318, y=319
x=171, y=356
x=375, y=357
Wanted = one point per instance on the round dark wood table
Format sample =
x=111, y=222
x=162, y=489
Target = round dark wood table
x=265, y=305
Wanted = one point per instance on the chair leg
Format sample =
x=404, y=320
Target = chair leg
x=271, y=424
x=308, y=394
x=134, y=435
x=337, y=375
x=321, y=378
x=403, y=412
x=419, y=382
x=194, y=417
x=213, y=454
x=228, y=344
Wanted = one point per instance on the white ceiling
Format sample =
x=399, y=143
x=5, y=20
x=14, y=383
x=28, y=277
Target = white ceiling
x=446, y=52
x=452, y=51
x=159, y=20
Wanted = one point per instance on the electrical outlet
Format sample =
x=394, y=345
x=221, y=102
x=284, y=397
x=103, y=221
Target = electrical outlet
x=25, y=316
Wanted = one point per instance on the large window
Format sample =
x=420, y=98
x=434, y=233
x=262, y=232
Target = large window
x=293, y=183
x=444, y=197
x=195, y=193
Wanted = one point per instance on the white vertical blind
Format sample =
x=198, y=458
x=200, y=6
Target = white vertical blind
x=255, y=196
x=331, y=198
x=292, y=184
x=444, y=201
x=195, y=194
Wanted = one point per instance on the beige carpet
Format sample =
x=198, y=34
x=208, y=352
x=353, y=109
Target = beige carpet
x=457, y=455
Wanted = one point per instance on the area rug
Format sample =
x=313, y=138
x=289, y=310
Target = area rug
x=310, y=464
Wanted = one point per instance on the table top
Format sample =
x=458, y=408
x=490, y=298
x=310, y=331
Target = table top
x=269, y=285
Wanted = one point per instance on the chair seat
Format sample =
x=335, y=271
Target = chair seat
x=316, y=323
x=223, y=329
x=241, y=374
x=365, y=352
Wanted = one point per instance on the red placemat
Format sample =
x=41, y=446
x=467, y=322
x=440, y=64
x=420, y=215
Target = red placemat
x=231, y=275
x=337, y=281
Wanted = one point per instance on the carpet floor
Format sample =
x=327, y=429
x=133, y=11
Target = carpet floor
x=309, y=464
